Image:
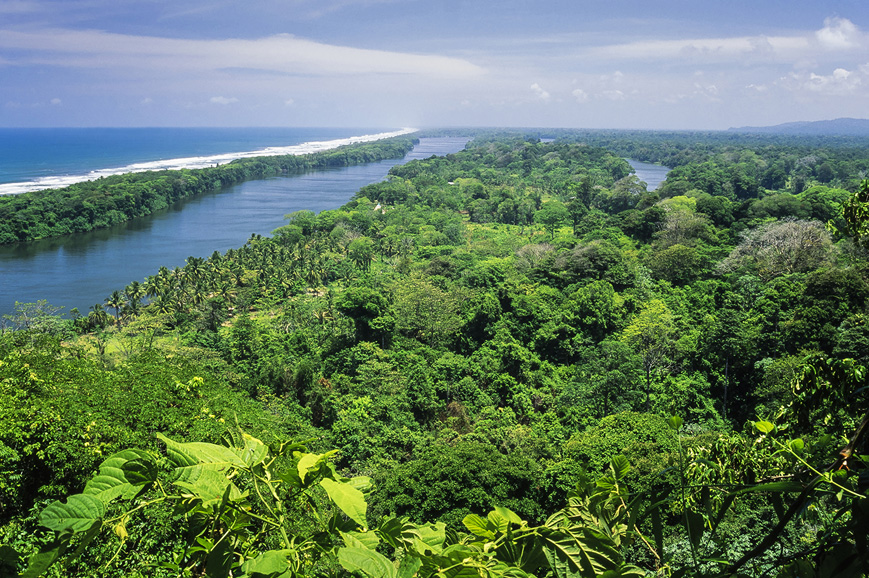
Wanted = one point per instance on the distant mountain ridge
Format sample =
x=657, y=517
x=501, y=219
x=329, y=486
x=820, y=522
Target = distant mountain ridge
x=839, y=126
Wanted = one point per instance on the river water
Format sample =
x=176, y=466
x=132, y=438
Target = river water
x=653, y=175
x=81, y=270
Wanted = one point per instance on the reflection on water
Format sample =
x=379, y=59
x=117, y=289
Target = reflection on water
x=653, y=175
x=80, y=270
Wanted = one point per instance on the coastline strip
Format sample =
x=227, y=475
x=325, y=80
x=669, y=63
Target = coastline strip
x=200, y=162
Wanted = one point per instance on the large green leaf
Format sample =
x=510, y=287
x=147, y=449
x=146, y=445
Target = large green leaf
x=764, y=427
x=431, y=537
x=399, y=533
x=306, y=462
x=621, y=466
x=478, y=526
x=368, y=562
x=625, y=571
x=361, y=483
x=78, y=514
x=355, y=539
x=501, y=516
x=207, y=484
x=695, y=524
x=123, y=474
x=195, y=453
x=458, y=552
x=579, y=552
x=368, y=539
x=269, y=564
x=408, y=566
x=349, y=499
x=253, y=452
x=783, y=486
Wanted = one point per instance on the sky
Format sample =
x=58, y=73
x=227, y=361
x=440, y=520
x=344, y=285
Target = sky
x=668, y=64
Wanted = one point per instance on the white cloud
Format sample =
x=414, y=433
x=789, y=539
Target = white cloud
x=839, y=82
x=580, y=95
x=147, y=101
x=283, y=53
x=708, y=91
x=838, y=34
x=289, y=102
x=223, y=100
x=55, y=102
x=615, y=95
x=538, y=90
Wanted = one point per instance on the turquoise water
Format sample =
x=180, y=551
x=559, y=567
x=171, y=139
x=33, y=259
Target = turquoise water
x=52, y=157
x=80, y=270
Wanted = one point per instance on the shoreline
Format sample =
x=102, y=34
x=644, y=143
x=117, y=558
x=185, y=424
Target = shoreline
x=199, y=162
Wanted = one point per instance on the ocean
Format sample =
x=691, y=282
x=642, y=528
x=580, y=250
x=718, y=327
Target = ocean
x=40, y=158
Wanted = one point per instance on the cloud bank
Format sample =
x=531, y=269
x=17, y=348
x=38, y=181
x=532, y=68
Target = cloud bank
x=283, y=53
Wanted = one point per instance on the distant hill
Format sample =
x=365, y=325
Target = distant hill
x=839, y=126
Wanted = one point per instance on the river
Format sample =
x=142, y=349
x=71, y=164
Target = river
x=81, y=270
x=652, y=174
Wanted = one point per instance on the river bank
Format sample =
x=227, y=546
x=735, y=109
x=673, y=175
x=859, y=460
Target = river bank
x=80, y=270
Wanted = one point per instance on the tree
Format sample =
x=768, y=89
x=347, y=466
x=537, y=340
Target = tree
x=856, y=213
x=606, y=381
x=683, y=227
x=116, y=301
x=449, y=482
x=552, y=216
x=579, y=197
x=426, y=312
x=677, y=264
x=135, y=292
x=36, y=317
x=652, y=334
x=782, y=247
x=624, y=195
x=361, y=252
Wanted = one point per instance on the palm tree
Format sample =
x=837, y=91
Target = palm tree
x=135, y=291
x=194, y=270
x=163, y=304
x=116, y=301
x=97, y=316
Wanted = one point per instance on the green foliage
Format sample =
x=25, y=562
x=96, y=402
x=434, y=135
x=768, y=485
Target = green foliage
x=449, y=482
x=250, y=531
x=111, y=200
x=466, y=360
x=856, y=213
x=645, y=440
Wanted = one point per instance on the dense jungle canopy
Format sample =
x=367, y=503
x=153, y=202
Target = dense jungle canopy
x=510, y=361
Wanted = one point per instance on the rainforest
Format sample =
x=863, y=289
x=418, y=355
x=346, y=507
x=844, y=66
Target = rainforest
x=511, y=361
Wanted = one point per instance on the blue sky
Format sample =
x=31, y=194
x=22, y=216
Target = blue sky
x=669, y=64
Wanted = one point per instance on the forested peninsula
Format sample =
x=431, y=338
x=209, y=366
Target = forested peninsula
x=511, y=361
x=107, y=201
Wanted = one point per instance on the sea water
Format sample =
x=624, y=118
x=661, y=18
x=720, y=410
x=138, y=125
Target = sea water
x=40, y=158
